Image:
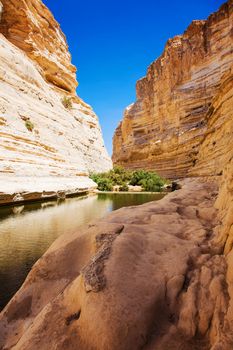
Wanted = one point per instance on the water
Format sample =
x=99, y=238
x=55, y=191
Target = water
x=27, y=231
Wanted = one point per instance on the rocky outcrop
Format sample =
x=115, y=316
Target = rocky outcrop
x=21, y=189
x=37, y=33
x=151, y=277
x=177, y=103
x=216, y=148
x=46, y=130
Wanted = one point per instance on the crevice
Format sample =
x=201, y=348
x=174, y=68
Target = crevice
x=93, y=272
x=73, y=317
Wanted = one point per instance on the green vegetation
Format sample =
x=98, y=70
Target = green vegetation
x=150, y=181
x=118, y=176
x=29, y=125
x=67, y=102
x=124, y=188
x=104, y=184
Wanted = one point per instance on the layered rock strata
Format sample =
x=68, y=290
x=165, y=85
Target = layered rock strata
x=216, y=148
x=46, y=130
x=147, y=277
x=37, y=33
x=171, y=118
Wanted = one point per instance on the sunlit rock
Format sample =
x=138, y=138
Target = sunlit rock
x=41, y=134
x=177, y=104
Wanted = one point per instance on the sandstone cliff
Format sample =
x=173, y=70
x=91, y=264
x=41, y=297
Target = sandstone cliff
x=37, y=33
x=173, y=114
x=39, y=136
x=159, y=276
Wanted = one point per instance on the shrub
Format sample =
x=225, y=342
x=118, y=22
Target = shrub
x=115, y=178
x=118, y=176
x=95, y=177
x=137, y=176
x=150, y=185
x=124, y=188
x=29, y=125
x=102, y=181
x=67, y=102
x=150, y=181
x=104, y=184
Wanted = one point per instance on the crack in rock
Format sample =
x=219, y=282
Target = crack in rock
x=93, y=272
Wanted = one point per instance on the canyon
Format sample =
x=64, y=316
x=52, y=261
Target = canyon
x=50, y=140
x=157, y=276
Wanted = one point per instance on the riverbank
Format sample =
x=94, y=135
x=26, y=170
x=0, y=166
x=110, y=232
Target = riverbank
x=129, y=192
x=151, y=276
x=18, y=189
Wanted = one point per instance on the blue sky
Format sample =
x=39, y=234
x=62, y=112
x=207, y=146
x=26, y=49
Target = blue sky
x=113, y=42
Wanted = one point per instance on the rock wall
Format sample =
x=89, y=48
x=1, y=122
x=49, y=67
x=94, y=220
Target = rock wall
x=173, y=114
x=37, y=33
x=216, y=148
x=39, y=136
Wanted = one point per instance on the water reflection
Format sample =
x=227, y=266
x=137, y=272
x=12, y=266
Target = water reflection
x=27, y=231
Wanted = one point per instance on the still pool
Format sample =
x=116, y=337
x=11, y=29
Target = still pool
x=27, y=231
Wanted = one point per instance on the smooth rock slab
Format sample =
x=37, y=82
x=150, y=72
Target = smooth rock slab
x=156, y=283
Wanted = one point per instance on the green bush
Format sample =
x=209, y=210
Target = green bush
x=124, y=188
x=115, y=178
x=67, y=102
x=150, y=181
x=95, y=177
x=150, y=185
x=137, y=176
x=118, y=176
x=103, y=183
x=29, y=125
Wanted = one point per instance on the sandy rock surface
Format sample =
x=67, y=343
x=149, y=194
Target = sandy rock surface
x=147, y=277
x=38, y=34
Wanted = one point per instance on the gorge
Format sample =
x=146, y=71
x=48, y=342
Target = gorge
x=157, y=276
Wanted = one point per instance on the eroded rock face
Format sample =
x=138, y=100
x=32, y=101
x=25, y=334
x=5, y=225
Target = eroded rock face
x=216, y=148
x=41, y=135
x=173, y=114
x=37, y=33
x=147, y=277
